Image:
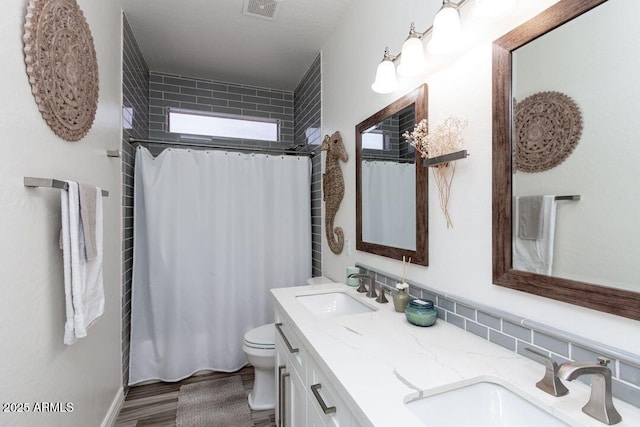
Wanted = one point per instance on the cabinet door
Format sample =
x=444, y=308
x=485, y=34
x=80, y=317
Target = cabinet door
x=314, y=419
x=282, y=384
x=292, y=412
x=297, y=408
x=324, y=400
x=295, y=351
x=291, y=402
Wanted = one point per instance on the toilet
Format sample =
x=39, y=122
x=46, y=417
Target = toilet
x=259, y=346
x=260, y=349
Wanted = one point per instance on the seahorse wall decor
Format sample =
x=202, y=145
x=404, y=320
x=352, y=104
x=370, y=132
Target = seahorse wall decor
x=333, y=188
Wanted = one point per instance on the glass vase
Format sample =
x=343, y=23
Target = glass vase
x=400, y=300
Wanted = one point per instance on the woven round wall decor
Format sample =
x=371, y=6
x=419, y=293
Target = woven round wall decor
x=548, y=126
x=62, y=66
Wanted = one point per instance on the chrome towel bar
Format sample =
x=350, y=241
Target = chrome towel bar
x=51, y=183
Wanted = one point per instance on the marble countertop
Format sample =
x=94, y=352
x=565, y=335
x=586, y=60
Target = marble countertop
x=378, y=361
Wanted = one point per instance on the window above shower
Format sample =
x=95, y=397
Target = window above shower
x=189, y=122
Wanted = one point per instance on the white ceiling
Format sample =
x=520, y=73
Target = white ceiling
x=212, y=39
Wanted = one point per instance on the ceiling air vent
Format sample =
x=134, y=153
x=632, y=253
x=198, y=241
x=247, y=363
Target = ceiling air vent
x=265, y=9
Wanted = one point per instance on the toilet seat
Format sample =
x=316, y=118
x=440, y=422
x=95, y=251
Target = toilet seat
x=263, y=337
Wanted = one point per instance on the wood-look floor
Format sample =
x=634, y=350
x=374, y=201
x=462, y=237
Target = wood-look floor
x=156, y=404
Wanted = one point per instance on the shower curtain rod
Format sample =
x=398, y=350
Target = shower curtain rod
x=276, y=151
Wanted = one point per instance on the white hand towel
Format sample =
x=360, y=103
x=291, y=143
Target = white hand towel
x=65, y=245
x=83, y=278
x=536, y=255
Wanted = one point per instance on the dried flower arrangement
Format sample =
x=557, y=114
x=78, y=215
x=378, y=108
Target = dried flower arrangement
x=445, y=139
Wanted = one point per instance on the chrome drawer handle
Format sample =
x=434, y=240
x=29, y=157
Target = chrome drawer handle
x=326, y=409
x=281, y=393
x=286, y=341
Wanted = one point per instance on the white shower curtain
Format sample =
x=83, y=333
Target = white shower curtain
x=389, y=203
x=214, y=232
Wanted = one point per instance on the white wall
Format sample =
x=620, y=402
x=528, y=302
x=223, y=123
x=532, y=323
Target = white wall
x=36, y=366
x=591, y=244
x=459, y=258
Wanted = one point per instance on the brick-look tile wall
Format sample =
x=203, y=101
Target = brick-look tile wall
x=395, y=146
x=391, y=149
x=135, y=103
x=307, y=116
x=172, y=91
x=406, y=124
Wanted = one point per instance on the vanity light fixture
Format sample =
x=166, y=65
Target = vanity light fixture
x=445, y=35
x=386, y=81
x=445, y=38
x=492, y=10
x=412, y=60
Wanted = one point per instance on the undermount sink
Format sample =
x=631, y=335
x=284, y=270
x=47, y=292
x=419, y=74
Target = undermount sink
x=483, y=404
x=333, y=304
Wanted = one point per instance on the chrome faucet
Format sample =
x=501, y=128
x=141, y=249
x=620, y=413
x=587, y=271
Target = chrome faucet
x=600, y=405
x=382, y=299
x=371, y=293
x=550, y=383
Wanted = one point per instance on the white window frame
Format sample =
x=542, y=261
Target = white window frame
x=229, y=117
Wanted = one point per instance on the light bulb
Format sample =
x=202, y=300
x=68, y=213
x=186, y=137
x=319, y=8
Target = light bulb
x=445, y=36
x=385, y=81
x=412, y=61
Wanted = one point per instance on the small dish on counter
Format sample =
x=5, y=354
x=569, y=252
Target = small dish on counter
x=421, y=312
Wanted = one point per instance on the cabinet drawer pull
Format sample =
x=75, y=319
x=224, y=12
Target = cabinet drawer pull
x=282, y=397
x=286, y=341
x=326, y=409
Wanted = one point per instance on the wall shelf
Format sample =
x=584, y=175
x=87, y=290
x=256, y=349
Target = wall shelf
x=434, y=161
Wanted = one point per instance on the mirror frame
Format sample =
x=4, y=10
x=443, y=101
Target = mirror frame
x=607, y=299
x=420, y=255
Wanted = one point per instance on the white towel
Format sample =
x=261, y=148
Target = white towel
x=536, y=256
x=83, y=284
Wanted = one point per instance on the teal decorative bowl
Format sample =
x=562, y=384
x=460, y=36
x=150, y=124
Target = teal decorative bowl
x=421, y=312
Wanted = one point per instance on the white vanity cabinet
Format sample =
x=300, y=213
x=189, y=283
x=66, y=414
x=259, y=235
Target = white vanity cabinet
x=304, y=395
x=324, y=406
x=290, y=374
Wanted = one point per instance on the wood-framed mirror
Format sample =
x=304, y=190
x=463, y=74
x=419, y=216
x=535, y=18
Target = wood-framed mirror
x=391, y=182
x=594, y=262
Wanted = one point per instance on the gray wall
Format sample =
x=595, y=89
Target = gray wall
x=135, y=95
x=307, y=115
x=406, y=123
x=168, y=90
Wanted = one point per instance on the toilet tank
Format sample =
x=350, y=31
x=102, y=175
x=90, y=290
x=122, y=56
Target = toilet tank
x=319, y=280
